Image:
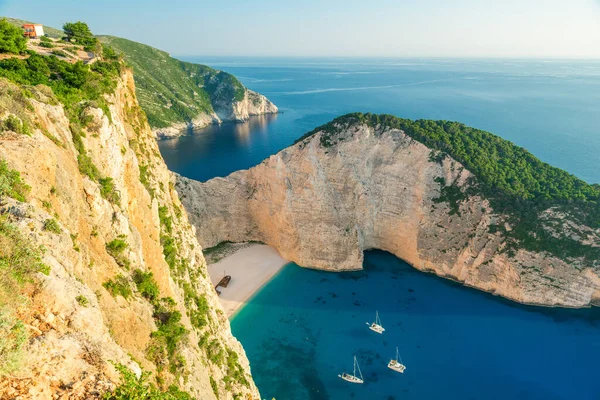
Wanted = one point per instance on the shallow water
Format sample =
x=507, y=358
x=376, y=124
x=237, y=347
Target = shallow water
x=303, y=328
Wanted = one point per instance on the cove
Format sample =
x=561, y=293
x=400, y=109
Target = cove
x=303, y=328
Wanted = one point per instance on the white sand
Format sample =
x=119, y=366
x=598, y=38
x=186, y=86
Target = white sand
x=250, y=268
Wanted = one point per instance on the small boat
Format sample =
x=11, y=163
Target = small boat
x=353, y=378
x=376, y=326
x=396, y=364
x=224, y=281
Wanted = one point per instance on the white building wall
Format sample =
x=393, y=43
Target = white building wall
x=39, y=30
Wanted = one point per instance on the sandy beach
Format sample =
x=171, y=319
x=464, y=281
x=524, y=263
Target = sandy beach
x=250, y=268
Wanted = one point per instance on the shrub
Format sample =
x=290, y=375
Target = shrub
x=108, y=191
x=170, y=331
x=108, y=53
x=144, y=178
x=47, y=45
x=82, y=300
x=215, y=388
x=51, y=225
x=116, y=248
x=20, y=259
x=146, y=284
x=13, y=337
x=118, y=287
x=80, y=33
x=134, y=388
x=11, y=38
x=166, y=237
x=87, y=166
x=14, y=124
x=11, y=184
x=59, y=53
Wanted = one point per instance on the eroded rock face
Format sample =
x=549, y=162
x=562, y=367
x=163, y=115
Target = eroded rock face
x=253, y=104
x=74, y=343
x=322, y=204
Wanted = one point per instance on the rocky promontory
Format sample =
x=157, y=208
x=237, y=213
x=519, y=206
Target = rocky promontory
x=178, y=96
x=378, y=182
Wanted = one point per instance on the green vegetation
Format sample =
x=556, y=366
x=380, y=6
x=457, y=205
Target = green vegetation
x=116, y=248
x=145, y=179
x=119, y=286
x=82, y=300
x=11, y=184
x=76, y=85
x=451, y=194
x=165, y=340
x=14, y=124
x=51, y=225
x=166, y=237
x=59, y=53
x=235, y=372
x=11, y=38
x=197, y=306
x=515, y=182
x=170, y=330
x=20, y=260
x=172, y=91
x=146, y=284
x=215, y=388
x=134, y=388
x=48, y=31
x=108, y=191
x=80, y=33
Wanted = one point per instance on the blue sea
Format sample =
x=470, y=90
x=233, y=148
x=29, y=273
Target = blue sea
x=304, y=327
x=552, y=108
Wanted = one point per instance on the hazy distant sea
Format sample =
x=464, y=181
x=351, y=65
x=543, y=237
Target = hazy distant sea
x=552, y=108
x=303, y=328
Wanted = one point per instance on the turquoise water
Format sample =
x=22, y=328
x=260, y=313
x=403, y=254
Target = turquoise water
x=302, y=329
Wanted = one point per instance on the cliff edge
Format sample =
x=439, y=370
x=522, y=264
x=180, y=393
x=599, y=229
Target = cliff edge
x=101, y=275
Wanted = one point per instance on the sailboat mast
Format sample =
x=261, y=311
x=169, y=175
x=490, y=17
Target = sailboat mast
x=396, y=354
x=354, y=366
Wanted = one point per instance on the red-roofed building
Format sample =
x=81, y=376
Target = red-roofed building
x=33, y=30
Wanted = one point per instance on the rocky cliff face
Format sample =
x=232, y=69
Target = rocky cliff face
x=324, y=201
x=238, y=111
x=101, y=237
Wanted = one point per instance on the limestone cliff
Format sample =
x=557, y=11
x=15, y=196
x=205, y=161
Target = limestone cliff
x=347, y=188
x=103, y=205
x=252, y=104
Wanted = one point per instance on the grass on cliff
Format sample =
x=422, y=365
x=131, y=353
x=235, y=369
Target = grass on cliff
x=133, y=388
x=20, y=261
x=11, y=184
x=514, y=181
x=172, y=91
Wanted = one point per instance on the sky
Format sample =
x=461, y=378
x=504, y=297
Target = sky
x=338, y=28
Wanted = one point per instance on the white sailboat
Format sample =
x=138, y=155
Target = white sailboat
x=396, y=364
x=376, y=326
x=353, y=378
